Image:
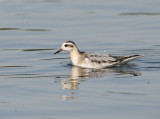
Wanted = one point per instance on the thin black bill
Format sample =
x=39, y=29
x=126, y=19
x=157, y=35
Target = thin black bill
x=58, y=51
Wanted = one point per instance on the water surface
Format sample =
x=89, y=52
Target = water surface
x=36, y=84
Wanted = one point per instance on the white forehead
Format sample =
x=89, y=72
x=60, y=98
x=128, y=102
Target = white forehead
x=68, y=43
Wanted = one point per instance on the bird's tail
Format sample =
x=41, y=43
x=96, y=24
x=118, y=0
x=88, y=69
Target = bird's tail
x=130, y=58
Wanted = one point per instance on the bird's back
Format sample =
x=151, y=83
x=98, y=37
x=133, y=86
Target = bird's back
x=93, y=60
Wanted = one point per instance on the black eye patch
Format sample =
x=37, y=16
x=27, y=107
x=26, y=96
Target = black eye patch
x=68, y=45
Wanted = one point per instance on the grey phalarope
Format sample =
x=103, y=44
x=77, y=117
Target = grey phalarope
x=92, y=60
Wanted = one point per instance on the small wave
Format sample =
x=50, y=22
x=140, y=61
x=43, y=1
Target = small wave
x=37, y=49
x=140, y=13
x=13, y=66
x=23, y=29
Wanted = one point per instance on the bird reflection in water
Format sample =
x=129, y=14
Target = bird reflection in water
x=79, y=74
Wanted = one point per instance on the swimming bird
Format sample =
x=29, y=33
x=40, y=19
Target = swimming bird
x=93, y=60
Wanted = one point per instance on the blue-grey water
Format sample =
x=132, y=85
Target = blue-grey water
x=36, y=84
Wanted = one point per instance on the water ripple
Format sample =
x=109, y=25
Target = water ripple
x=125, y=93
x=37, y=49
x=22, y=29
x=13, y=66
x=140, y=13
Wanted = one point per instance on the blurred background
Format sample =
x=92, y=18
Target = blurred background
x=36, y=84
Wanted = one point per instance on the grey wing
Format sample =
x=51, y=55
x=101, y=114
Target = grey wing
x=99, y=58
x=125, y=59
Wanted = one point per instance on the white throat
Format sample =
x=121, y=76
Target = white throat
x=75, y=56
